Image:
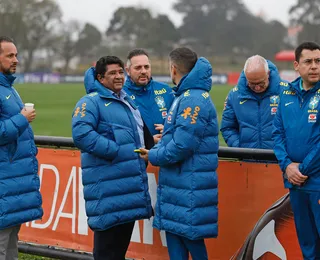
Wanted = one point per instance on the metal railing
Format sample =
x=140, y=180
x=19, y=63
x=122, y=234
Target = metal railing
x=255, y=155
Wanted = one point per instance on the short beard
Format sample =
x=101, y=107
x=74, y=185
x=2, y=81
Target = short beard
x=7, y=71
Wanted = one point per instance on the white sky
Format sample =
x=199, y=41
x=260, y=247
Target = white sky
x=99, y=12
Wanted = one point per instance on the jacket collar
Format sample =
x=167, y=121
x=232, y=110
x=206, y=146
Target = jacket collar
x=296, y=86
x=6, y=79
x=129, y=84
x=107, y=93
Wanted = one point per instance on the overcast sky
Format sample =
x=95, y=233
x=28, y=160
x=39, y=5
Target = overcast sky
x=99, y=12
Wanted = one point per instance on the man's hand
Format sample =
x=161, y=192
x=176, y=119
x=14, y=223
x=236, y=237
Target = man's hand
x=144, y=154
x=29, y=114
x=156, y=138
x=294, y=175
x=159, y=127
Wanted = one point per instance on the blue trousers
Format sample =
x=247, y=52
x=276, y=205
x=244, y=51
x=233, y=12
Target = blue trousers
x=306, y=211
x=179, y=248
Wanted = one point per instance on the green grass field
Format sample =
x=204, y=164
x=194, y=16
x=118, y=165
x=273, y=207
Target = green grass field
x=54, y=104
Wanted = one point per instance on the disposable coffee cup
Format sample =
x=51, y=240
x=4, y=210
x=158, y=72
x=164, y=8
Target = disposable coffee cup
x=29, y=106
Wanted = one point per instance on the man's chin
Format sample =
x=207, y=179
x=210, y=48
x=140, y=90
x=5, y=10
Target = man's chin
x=143, y=82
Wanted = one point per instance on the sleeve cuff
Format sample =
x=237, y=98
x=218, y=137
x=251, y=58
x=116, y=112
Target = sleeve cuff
x=153, y=157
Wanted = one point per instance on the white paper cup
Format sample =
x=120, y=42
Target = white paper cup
x=29, y=106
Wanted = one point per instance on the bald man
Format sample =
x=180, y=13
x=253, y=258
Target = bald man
x=250, y=106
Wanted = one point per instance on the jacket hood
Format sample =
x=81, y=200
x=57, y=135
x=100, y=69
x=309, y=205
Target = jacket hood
x=6, y=80
x=274, y=80
x=129, y=84
x=198, y=78
x=89, y=79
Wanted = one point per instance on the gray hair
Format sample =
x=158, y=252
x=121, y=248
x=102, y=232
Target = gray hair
x=255, y=62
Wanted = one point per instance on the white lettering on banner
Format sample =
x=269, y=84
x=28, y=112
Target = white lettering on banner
x=55, y=195
x=147, y=224
x=145, y=236
x=82, y=216
x=72, y=179
x=136, y=237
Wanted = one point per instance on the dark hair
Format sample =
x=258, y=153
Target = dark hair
x=101, y=65
x=4, y=39
x=136, y=52
x=305, y=46
x=184, y=59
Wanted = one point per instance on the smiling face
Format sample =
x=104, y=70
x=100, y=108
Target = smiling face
x=308, y=66
x=139, y=70
x=113, y=79
x=8, y=58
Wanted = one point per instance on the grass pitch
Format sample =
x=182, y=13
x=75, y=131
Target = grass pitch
x=54, y=104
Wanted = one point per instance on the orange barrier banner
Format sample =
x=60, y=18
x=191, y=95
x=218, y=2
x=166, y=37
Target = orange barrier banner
x=246, y=191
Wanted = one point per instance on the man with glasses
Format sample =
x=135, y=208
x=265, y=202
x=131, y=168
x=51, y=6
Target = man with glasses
x=297, y=146
x=250, y=106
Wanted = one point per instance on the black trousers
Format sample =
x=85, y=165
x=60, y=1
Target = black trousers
x=112, y=244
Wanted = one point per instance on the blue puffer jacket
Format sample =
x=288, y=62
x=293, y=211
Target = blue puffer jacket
x=20, y=199
x=153, y=100
x=114, y=176
x=187, y=196
x=297, y=133
x=247, y=117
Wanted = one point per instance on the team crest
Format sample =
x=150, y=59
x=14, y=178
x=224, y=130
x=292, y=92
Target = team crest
x=274, y=100
x=314, y=102
x=160, y=102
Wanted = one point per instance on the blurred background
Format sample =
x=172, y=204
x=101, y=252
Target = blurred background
x=58, y=40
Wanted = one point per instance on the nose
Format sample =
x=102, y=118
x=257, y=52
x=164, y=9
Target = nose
x=16, y=59
x=143, y=70
x=314, y=64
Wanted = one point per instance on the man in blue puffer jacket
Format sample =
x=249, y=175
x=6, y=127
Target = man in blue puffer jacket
x=107, y=127
x=297, y=146
x=153, y=98
x=187, y=197
x=20, y=199
x=250, y=107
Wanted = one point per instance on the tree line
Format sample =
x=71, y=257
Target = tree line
x=223, y=29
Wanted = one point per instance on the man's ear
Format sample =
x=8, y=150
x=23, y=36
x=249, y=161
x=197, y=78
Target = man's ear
x=296, y=65
x=99, y=77
x=127, y=70
x=174, y=70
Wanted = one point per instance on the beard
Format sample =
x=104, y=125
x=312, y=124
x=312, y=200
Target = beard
x=7, y=71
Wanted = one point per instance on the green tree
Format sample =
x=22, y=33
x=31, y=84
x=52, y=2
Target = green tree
x=307, y=14
x=30, y=23
x=129, y=25
x=89, y=42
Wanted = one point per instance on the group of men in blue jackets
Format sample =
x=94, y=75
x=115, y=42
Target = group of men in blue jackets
x=264, y=112
x=122, y=124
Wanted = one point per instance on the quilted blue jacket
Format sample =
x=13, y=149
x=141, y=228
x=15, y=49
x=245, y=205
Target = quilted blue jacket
x=247, y=118
x=187, y=196
x=153, y=101
x=296, y=133
x=20, y=199
x=114, y=176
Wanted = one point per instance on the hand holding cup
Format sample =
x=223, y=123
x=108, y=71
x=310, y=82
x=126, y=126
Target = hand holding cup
x=29, y=112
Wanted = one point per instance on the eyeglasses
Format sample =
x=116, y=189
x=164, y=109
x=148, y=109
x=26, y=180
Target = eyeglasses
x=261, y=84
